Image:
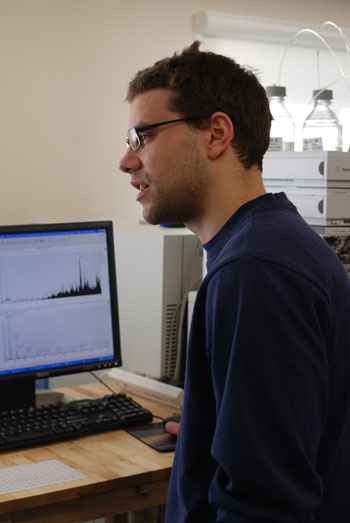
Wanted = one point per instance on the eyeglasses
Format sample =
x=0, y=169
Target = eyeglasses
x=134, y=141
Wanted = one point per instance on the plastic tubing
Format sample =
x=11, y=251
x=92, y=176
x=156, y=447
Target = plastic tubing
x=342, y=35
x=315, y=33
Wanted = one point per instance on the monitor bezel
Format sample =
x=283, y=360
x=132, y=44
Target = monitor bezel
x=116, y=361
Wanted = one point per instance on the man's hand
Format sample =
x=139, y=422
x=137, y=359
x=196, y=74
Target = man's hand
x=172, y=427
x=172, y=423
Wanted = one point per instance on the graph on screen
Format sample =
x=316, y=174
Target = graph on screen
x=39, y=276
x=54, y=300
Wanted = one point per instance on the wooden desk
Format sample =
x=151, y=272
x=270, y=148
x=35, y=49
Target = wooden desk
x=123, y=474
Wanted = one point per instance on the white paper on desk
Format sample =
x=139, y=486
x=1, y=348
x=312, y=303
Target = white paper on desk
x=34, y=475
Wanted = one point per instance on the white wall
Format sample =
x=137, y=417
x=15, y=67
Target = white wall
x=65, y=65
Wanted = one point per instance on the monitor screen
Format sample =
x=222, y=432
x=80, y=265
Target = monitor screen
x=58, y=301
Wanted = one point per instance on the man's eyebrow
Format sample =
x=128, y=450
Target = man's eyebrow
x=139, y=124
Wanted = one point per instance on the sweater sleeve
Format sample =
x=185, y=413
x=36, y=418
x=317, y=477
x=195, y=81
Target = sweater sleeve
x=266, y=331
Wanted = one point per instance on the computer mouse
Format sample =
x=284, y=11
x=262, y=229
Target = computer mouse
x=174, y=417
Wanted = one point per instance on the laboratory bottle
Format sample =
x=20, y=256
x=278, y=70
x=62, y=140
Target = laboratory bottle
x=282, y=134
x=321, y=129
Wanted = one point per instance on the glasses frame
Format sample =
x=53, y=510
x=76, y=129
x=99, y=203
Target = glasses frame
x=134, y=138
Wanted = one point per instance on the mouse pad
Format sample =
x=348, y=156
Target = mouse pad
x=155, y=436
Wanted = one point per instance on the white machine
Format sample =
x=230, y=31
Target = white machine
x=307, y=169
x=317, y=182
x=156, y=269
x=319, y=205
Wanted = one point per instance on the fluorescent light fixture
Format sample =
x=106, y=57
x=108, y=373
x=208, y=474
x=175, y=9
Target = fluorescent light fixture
x=226, y=25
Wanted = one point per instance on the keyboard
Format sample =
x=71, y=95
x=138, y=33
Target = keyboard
x=55, y=422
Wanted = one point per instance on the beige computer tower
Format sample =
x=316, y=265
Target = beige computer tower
x=156, y=268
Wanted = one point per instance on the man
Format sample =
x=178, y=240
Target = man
x=265, y=432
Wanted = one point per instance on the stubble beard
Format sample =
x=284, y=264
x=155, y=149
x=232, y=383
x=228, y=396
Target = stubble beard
x=180, y=192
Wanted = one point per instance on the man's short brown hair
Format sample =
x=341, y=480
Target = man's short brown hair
x=205, y=82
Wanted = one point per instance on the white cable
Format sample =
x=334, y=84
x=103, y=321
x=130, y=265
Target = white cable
x=181, y=320
x=178, y=314
x=311, y=31
x=188, y=286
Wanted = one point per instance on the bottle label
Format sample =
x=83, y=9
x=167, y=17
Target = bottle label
x=276, y=144
x=312, y=144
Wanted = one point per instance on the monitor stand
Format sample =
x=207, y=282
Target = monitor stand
x=20, y=393
x=17, y=393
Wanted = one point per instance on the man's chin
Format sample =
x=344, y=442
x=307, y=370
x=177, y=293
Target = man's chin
x=150, y=219
x=159, y=218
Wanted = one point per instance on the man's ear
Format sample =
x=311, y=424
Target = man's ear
x=221, y=133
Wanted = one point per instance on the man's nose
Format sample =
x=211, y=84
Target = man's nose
x=130, y=162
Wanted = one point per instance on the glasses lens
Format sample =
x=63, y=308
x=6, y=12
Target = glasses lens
x=133, y=139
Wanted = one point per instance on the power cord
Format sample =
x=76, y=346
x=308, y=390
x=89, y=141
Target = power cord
x=101, y=381
x=113, y=392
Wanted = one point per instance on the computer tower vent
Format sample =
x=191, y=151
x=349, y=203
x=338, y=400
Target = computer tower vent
x=170, y=340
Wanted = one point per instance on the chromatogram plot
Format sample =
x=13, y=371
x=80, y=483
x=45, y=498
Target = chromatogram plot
x=60, y=334
x=50, y=275
x=82, y=288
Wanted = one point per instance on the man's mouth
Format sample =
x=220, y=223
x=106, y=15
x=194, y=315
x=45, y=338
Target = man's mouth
x=142, y=187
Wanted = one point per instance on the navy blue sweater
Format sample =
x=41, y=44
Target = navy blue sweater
x=265, y=432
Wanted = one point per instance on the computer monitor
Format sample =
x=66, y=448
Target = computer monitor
x=58, y=304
